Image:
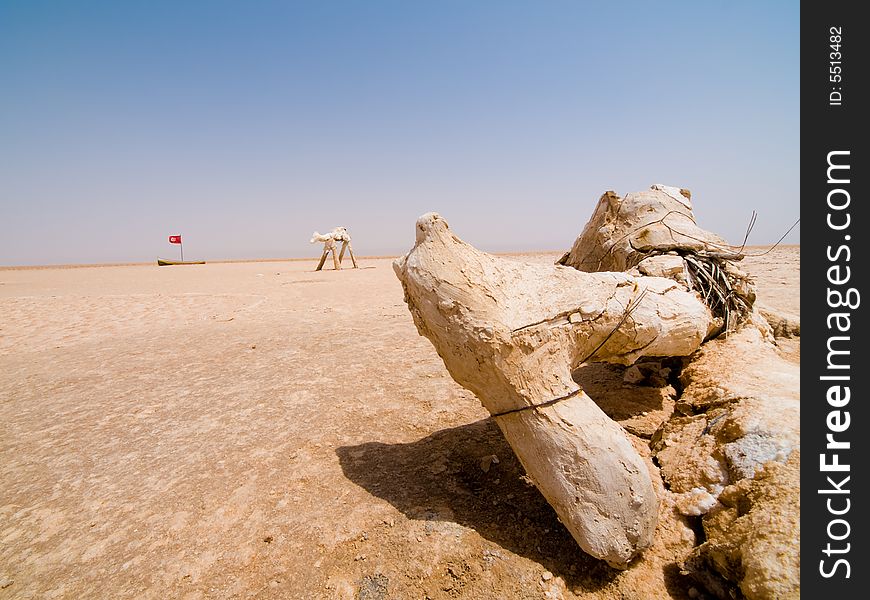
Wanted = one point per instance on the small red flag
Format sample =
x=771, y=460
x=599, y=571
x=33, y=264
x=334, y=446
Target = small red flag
x=174, y=239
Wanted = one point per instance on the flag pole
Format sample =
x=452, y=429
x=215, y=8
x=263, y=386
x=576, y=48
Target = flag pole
x=181, y=245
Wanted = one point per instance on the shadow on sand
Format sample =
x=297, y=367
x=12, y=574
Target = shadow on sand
x=440, y=478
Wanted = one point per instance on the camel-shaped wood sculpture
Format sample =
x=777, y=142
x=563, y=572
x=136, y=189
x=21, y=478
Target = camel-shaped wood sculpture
x=646, y=281
x=339, y=234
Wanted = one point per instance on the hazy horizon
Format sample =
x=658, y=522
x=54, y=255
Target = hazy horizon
x=246, y=127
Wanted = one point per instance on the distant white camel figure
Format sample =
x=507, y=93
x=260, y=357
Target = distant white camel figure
x=339, y=234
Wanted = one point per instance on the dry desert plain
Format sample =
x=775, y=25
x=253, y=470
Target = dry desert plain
x=262, y=430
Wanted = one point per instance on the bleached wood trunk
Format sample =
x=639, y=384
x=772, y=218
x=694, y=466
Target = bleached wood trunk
x=513, y=332
x=346, y=246
x=329, y=246
x=625, y=230
x=322, y=259
x=653, y=232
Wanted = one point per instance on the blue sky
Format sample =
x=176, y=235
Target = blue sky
x=245, y=126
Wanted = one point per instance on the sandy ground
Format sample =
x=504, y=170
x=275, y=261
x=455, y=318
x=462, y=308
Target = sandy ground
x=260, y=430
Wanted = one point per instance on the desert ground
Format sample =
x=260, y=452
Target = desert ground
x=262, y=430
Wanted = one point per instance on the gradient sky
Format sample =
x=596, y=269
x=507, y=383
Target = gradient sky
x=245, y=126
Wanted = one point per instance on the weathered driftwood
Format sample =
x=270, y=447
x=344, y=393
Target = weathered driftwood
x=624, y=231
x=339, y=234
x=653, y=232
x=513, y=332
